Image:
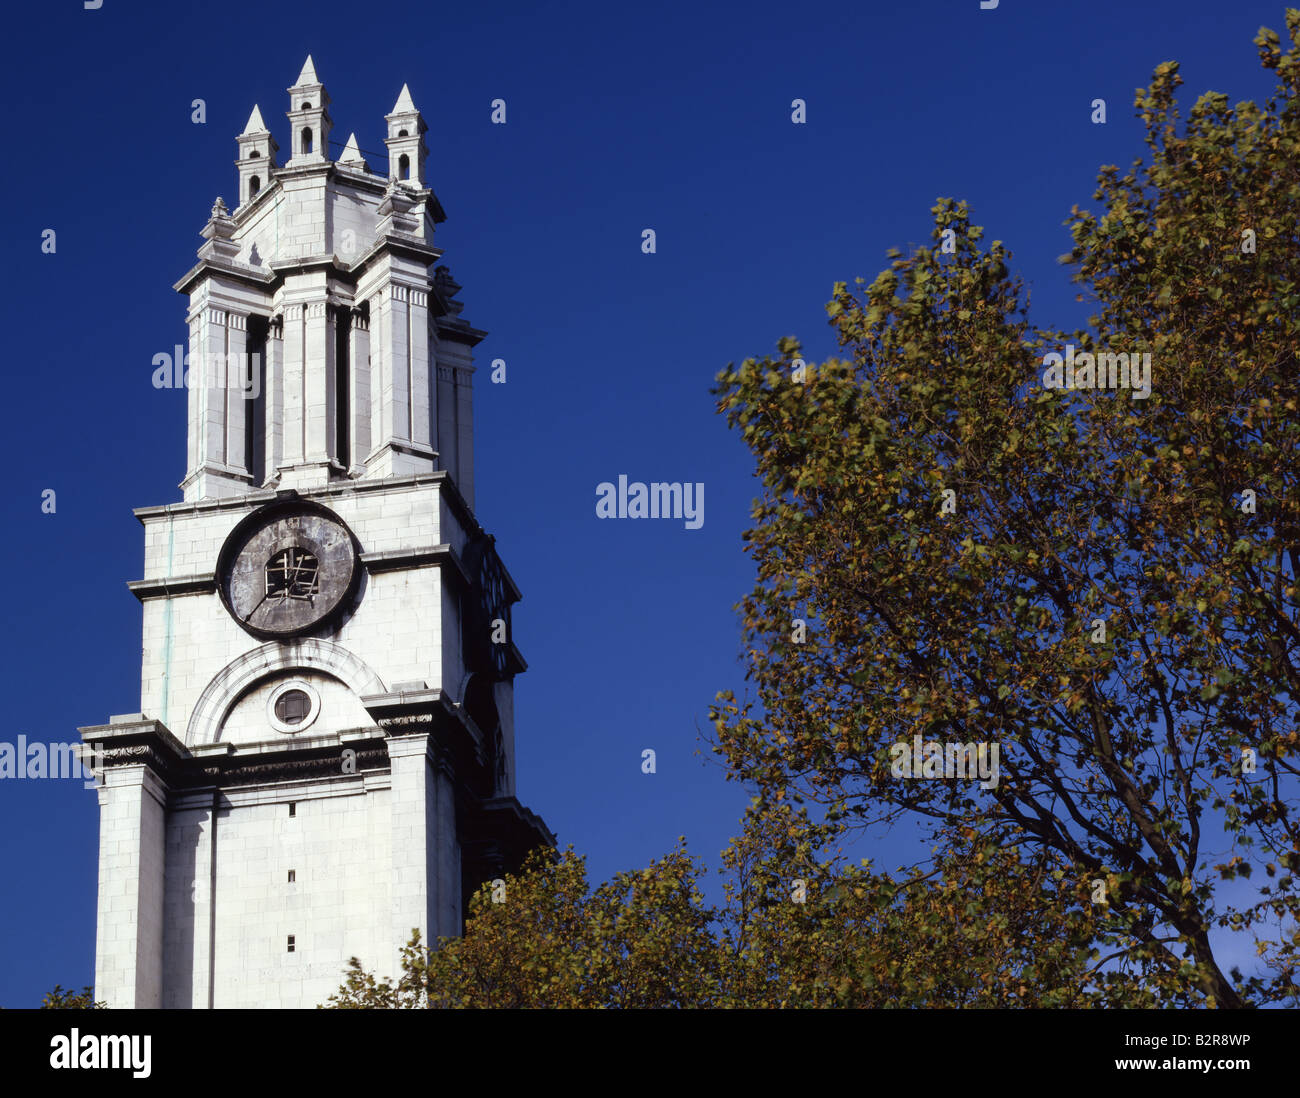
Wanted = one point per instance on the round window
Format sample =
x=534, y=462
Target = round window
x=292, y=706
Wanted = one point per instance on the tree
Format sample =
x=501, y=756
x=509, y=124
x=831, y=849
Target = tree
x=1101, y=586
x=540, y=939
x=58, y=999
x=797, y=929
x=981, y=927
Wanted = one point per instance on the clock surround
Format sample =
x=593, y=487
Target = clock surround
x=288, y=569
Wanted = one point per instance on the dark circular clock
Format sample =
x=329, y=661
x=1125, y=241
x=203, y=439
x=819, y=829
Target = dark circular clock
x=288, y=568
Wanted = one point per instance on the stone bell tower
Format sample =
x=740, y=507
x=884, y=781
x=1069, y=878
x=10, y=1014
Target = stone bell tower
x=324, y=756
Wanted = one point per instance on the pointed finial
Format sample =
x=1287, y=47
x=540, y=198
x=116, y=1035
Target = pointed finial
x=308, y=74
x=351, y=153
x=404, y=102
x=255, y=123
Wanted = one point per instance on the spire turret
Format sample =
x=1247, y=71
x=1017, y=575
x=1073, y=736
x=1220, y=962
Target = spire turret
x=309, y=116
x=257, y=149
x=405, y=141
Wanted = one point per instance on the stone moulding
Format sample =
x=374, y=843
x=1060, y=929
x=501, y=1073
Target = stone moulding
x=312, y=654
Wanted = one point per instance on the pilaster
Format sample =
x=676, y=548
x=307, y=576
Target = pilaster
x=425, y=891
x=274, y=404
x=133, y=791
x=319, y=383
x=402, y=396
x=295, y=385
x=218, y=409
x=359, y=388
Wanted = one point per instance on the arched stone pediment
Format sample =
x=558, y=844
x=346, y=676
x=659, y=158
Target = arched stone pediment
x=275, y=657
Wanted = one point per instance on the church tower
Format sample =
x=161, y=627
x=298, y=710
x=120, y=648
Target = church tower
x=324, y=756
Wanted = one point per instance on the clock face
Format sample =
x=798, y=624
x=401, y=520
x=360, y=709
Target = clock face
x=287, y=568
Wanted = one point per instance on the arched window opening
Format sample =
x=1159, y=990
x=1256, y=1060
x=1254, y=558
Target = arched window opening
x=305, y=106
x=402, y=133
x=254, y=185
x=403, y=167
x=254, y=155
x=306, y=140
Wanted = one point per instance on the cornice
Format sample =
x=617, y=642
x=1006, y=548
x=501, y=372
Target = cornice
x=413, y=247
x=290, y=764
x=439, y=555
x=459, y=331
x=498, y=833
x=252, y=276
x=458, y=744
x=149, y=743
x=201, y=584
x=198, y=506
x=303, y=264
x=362, y=180
x=362, y=484
x=205, y=583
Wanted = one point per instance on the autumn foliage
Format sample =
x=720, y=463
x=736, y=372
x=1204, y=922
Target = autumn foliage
x=1103, y=587
x=978, y=931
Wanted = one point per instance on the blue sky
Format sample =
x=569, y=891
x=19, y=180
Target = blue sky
x=674, y=117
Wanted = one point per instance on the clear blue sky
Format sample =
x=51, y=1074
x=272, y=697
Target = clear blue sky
x=670, y=116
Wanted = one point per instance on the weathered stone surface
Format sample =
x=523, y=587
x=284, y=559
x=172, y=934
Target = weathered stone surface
x=342, y=765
